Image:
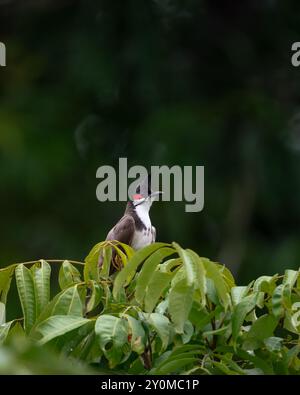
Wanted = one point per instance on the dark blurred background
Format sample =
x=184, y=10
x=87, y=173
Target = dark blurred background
x=161, y=82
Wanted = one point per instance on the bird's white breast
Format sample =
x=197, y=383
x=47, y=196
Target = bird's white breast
x=143, y=237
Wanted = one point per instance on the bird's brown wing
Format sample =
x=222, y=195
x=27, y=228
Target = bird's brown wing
x=123, y=231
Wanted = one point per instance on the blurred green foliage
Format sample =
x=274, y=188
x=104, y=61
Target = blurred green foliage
x=160, y=82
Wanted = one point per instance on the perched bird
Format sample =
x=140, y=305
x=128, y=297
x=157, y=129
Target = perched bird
x=135, y=228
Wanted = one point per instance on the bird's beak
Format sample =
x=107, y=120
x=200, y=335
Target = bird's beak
x=154, y=195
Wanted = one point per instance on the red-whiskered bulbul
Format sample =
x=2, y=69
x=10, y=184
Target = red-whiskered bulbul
x=135, y=228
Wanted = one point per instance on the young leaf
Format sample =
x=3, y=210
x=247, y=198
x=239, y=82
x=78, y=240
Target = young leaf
x=91, y=267
x=6, y=276
x=106, y=256
x=26, y=292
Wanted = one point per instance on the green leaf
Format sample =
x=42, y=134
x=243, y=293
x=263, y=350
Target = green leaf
x=112, y=333
x=4, y=330
x=148, y=270
x=265, y=284
x=256, y=361
x=106, y=256
x=180, y=303
x=58, y=325
x=67, y=302
x=200, y=317
x=2, y=313
x=26, y=292
x=273, y=343
x=96, y=295
x=290, y=277
x=261, y=329
x=240, y=311
x=213, y=272
x=91, y=267
x=41, y=272
x=175, y=366
x=277, y=301
x=188, y=331
x=162, y=327
x=200, y=280
x=188, y=264
x=68, y=275
x=157, y=285
x=6, y=276
x=137, y=334
x=238, y=293
x=124, y=277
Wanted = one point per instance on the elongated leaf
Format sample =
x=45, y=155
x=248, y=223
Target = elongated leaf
x=180, y=303
x=158, y=283
x=91, y=267
x=200, y=279
x=127, y=273
x=2, y=313
x=277, y=301
x=188, y=264
x=41, y=272
x=290, y=277
x=112, y=333
x=129, y=251
x=26, y=292
x=68, y=275
x=148, y=270
x=96, y=295
x=106, y=256
x=240, y=311
x=6, y=276
x=175, y=365
x=4, y=330
x=67, y=302
x=213, y=272
x=58, y=325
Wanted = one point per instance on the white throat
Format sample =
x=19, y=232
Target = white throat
x=142, y=211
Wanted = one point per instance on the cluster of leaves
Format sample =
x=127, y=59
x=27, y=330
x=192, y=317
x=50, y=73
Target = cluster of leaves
x=167, y=311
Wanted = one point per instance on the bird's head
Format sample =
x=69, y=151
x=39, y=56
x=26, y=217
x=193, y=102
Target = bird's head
x=145, y=201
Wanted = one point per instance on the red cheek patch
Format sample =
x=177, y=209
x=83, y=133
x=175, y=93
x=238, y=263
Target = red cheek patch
x=137, y=197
